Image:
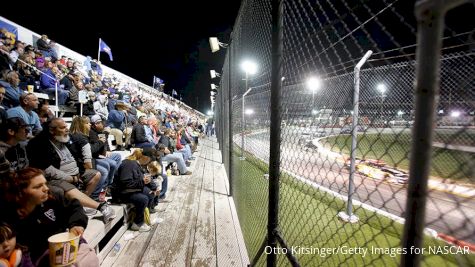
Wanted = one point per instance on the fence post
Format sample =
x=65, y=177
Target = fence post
x=349, y=216
x=230, y=123
x=243, y=120
x=274, y=156
x=430, y=23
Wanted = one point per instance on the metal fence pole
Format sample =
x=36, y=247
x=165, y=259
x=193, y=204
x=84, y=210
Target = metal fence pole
x=430, y=23
x=275, y=131
x=349, y=216
x=230, y=123
x=243, y=119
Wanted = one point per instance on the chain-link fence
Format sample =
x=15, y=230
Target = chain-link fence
x=348, y=133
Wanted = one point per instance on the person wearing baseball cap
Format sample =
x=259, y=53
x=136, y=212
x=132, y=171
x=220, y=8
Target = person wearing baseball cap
x=105, y=160
x=12, y=134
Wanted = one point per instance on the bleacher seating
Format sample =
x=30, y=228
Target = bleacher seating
x=100, y=236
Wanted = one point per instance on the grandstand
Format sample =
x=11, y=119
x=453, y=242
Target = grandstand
x=61, y=89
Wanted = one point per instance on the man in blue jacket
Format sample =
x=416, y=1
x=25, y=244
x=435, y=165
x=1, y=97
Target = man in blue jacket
x=117, y=121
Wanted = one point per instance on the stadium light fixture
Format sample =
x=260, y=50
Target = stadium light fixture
x=215, y=44
x=381, y=88
x=455, y=114
x=214, y=74
x=249, y=111
x=214, y=86
x=249, y=67
x=313, y=84
x=210, y=113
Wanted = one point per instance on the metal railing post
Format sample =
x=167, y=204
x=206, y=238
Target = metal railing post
x=230, y=123
x=430, y=24
x=275, y=130
x=349, y=216
x=243, y=119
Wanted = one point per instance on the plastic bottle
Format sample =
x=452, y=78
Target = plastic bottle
x=117, y=247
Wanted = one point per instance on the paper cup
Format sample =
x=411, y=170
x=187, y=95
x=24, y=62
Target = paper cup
x=63, y=249
x=30, y=88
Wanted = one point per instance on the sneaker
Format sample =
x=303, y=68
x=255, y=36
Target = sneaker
x=102, y=196
x=90, y=212
x=187, y=173
x=143, y=228
x=107, y=212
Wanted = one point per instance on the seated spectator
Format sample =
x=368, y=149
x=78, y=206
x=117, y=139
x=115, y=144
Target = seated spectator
x=43, y=44
x=182, y=141
x=11, y=253
x=100, y=150
x=117, y=121
x=88, y=108
x=49, y=83
x=12, y=134
x=36, y=214
x=129, y=187
x=139, y=137
x=28, y=102
x=100, y=106
x=3, y=111
x=81, y=150
x=44, y=112
x=156, y=156
x=170, y=156
x=154, y=126
x=155, y=170
x=10, y=82
x=60, y=167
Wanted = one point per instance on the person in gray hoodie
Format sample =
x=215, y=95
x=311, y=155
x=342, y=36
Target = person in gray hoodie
x=12, y=133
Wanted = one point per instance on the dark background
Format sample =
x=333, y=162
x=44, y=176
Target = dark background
x=168, y=39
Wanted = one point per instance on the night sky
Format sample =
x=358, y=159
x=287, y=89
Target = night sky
x=168, y=39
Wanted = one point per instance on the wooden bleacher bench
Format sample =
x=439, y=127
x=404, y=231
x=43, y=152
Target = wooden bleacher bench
x=97, y=231
x=62, y=110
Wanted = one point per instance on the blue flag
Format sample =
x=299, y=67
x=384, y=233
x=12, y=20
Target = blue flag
x=103, y=47
x=157, y=82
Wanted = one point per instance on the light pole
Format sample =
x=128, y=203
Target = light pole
x=249, y=67
x=382, y=89
x=313, y=84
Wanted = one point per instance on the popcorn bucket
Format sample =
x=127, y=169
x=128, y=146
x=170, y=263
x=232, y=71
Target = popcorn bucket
x=63, y=249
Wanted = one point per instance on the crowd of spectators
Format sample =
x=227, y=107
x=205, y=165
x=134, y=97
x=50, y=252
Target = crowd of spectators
x=52, y=175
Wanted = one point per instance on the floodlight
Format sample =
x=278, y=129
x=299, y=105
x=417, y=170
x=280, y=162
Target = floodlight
x=314, y=83
x=213, y=93
x=455, y=114
x=382, y=88
x=210, y=113
x=249, y=111
x=214, y=87
x=249, y=67
x=214, y=74
x=215, y=44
